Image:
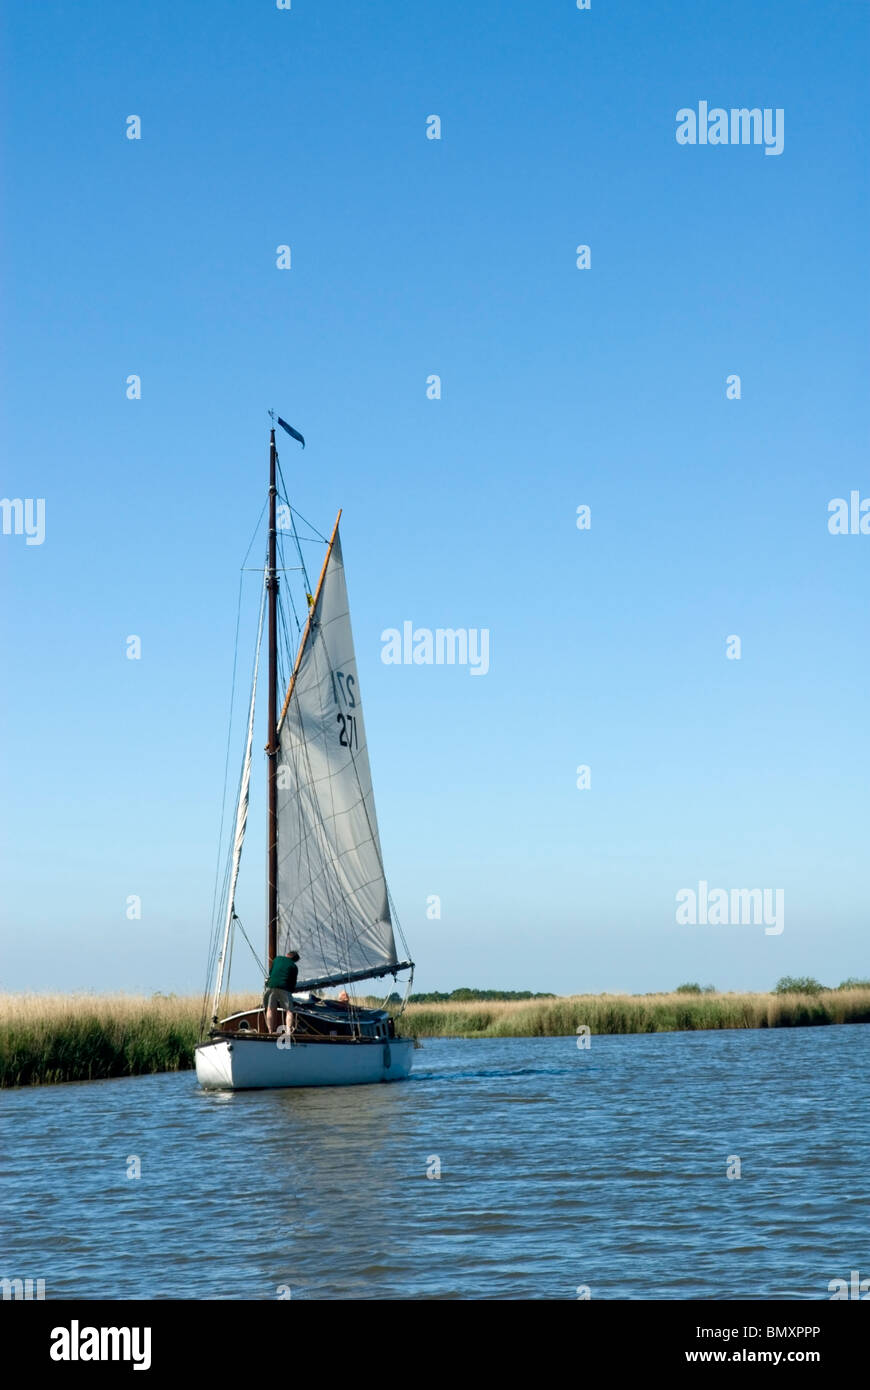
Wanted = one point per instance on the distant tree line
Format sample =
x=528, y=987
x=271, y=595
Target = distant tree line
x=458, y=996
x=805, y=984
x=789, y=984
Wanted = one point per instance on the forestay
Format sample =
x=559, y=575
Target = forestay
x=332, y=896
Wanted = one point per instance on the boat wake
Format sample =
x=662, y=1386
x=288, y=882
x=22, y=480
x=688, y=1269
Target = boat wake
x=494, y=1073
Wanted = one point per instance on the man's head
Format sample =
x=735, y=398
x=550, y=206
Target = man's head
x=292, y=955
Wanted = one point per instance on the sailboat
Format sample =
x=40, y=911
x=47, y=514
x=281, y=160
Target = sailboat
x=327, y=896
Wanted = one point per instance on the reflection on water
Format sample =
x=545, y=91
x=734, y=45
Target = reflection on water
x=559, y=1167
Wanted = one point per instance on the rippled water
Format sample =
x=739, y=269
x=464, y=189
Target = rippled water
x=559, y=1168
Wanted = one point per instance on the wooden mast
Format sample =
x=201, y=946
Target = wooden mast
x=272, y=738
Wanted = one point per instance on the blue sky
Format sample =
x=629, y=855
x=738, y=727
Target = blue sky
x=560, y=387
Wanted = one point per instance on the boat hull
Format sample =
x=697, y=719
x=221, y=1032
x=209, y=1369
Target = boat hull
x=243, y=1064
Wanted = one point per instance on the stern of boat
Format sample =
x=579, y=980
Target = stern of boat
x=254, y=1061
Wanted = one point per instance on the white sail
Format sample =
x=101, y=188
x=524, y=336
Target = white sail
x=332, y=896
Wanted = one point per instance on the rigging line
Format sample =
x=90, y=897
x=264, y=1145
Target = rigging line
x=408, y=987
x=232, y=705
x=309, y=540
x=227, y=754
x=253, y=951
x=295, y=532
x=278, y=612
x=317, y=534
x=288, y=645
x=214, y=950
x=296, y=620
x=284, y=657
x=287, y=640
x=215, y=918
x=256, y=529
x=226, y=992
x=396, y=923
x=228, y=912
x=289, y=590
x=214, y=945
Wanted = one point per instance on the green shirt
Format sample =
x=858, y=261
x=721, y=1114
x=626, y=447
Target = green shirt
x=283, y=974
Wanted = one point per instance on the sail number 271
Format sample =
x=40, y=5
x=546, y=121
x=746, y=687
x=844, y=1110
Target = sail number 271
x=343, y=695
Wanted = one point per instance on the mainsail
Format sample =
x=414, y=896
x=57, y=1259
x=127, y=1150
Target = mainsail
x=332, y=896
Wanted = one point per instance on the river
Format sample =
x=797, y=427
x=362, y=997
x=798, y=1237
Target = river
x=517, y=1168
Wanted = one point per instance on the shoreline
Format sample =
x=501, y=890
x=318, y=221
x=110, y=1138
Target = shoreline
x=48, y=1039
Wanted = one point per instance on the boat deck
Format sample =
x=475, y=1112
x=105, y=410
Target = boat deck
x=314, y=1020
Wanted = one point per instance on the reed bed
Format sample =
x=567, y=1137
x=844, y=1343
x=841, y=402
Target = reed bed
x=48, y=1038
x=87, y=1037
x=634, y=1013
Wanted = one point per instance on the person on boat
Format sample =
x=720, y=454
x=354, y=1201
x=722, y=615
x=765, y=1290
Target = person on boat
x=279, y=987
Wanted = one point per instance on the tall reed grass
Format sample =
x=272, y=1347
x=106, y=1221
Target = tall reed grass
x=635, y=1013
x=85, y=1037
x=47, y=1038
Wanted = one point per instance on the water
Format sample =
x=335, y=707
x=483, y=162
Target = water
x=559, y=1168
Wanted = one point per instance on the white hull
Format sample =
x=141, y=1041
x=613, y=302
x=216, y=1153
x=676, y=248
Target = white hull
x=240, y=1064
